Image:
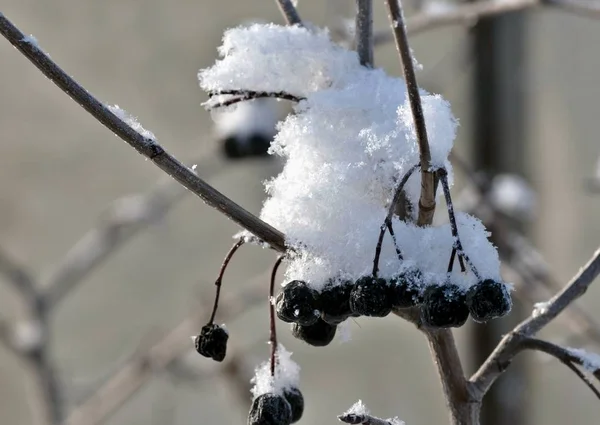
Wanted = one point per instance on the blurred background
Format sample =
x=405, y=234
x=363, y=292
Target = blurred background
x=524, y=88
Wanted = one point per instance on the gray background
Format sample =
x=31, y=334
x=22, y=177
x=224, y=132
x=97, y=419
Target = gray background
x=59, y=169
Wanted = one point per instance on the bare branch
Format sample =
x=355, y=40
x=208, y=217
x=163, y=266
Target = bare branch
x=145, y=146
x=502, y=356
x=470, y=13
x=289, y=12
x=131, y=377
x=18, y=276
x=428, y=185
x=362, y=418
x=364, y=32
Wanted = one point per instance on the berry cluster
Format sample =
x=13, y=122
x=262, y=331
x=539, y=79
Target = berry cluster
x=277, y=409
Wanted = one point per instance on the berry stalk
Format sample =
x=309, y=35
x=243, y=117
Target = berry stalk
x=219, y=280
x=273, y=330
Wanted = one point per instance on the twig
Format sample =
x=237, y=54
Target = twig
x=289, y=12
x=388, y=218
x=427, y=198
x=147, y=147
x=107, y=399
x=502, y=356
x=364, y=32
x=272, y=321
x=219, y=280
x=244, y=95
x=18, y=276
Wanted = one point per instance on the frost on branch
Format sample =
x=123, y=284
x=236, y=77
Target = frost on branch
x=589, y=361
x=348, y=144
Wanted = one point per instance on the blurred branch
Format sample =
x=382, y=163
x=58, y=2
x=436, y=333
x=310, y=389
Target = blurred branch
x=145, y=146
x=289, y=12
x=364, y=32
x=18, y=276
x=107, y=399
x=470, y=13
x=506, y=350
x=126, y=218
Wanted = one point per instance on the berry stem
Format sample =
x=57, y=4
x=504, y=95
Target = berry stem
x=457, y=247
x=393, y=235
x=219, y=280
x=273, y=330
x=387, y=223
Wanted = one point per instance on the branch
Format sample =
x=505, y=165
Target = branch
x=145, y=146
x=427, y=198
x=18, y=276
x=470, y=13
x=289, y=12
x=363, y=418
x=107, y=399
x=504, y=353
x=364, y=32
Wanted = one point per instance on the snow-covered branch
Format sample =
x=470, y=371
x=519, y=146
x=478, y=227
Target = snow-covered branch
x=508, y=348
x=145, y=146
x=358, y=414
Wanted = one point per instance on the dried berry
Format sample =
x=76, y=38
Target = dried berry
x=444, y=306
x=212, y=342
x=406, y=289
x=270, y=409
x=319, y=334
x=294, y=396
x=370, y=297
x=297, y=303
x=259, y=144
x=233, y=149
x=334, y=300
x=488, y=300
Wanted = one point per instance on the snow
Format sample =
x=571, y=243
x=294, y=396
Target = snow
x=540, y=308
x=31, y=40
x=357, y=408
x=287, y=374
x=346, y=146
x=512, y=195
x=131, y=121
x=245, y=119
x=590, y=361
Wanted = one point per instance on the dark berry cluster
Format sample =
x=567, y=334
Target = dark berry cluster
x=274, y=409
x=212, y=342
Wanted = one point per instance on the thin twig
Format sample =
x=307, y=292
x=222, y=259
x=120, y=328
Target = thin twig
x=504, y=353
x=393, y=235
x=289, y=12
x=390, y=214
x=18, y=276
x=272, y=321
x=145, y=146
x=244, y=95
x=364, y=32
x=428, y=185
x=219, y=280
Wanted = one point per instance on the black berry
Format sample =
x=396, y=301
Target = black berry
x=406, y=289
x=297, y=303
x=270, y=409
x=259, y=144
x=319, y=334
x=370, y=297
x=212, y=342
x=334, y=300
x=444, y=306
x=296, y=400
x=233, y=148
x=488, y=300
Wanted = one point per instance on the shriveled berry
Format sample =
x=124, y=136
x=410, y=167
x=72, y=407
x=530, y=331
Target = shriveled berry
x=233, y=149
x=319, y=334
x=212, y=342
x=370, y=297
x=406, y=289
x=297, y=303
x=444, y=306
x=334, y=300
x=488, y=300
x=296, y=400
x=259, y=144
x=270, y=409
